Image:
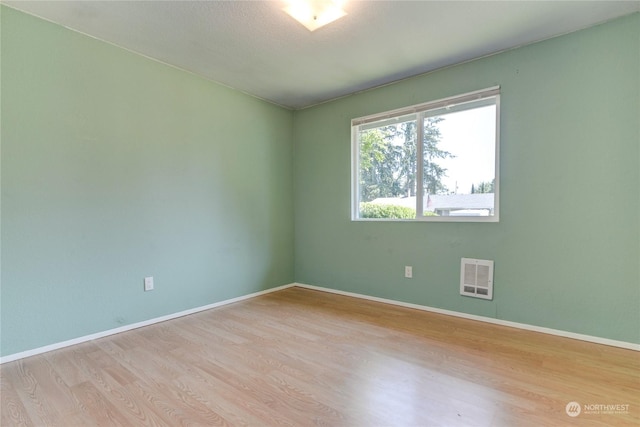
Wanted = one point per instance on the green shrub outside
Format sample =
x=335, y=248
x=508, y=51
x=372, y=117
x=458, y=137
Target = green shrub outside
x=372, y=210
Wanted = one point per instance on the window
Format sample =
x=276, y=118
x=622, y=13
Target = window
x=451, y=175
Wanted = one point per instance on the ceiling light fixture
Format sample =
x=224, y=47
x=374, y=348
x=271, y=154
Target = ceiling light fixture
x=314, y=14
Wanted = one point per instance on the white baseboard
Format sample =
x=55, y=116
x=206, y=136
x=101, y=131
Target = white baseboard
x=56, y=346
x=566, y=334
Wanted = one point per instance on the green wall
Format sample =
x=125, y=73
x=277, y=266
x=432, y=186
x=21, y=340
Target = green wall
x=567, y=247
x=116, y=167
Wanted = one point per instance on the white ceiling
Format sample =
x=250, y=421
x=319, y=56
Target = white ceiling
x=255, y=47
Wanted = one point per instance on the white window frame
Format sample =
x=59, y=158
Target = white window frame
x=423, y=111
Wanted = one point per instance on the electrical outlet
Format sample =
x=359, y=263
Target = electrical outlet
x=408, y=271
x=148, y=284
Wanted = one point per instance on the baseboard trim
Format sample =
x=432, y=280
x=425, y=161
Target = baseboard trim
x=79, y=340
x=557, y=332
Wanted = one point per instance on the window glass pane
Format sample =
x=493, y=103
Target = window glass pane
x=459, y=162
x=387, y=169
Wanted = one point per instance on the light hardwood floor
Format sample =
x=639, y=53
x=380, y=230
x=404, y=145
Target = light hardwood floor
x=301, y=358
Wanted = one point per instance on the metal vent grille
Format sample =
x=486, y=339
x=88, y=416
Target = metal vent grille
x=476, y=278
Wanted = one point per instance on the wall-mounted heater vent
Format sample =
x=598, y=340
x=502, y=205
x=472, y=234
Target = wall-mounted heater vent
x=476, y=278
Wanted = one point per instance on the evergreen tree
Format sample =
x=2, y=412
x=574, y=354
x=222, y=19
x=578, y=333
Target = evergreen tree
x=388, y=160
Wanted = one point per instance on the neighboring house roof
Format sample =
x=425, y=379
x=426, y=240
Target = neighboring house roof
x=460, y=201
x=443, y=201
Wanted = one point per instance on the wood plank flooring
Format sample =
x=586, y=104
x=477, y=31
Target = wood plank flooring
x=304, y=358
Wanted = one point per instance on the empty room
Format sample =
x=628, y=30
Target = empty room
x=333, y=213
